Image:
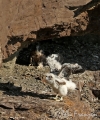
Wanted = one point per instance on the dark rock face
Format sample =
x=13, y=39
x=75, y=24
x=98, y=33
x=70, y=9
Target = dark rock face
x=24, y=21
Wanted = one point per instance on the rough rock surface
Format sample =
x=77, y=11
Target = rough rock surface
x=24, y=97
x=22, y=21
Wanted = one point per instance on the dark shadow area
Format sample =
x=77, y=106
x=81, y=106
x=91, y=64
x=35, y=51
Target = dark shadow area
x=14, y=39
x=11, y=89
x=83, y=8
x=96, y=93
x=84, y=50
x=94, y=20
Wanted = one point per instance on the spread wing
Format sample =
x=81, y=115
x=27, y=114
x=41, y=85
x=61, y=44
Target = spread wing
x=60, y=81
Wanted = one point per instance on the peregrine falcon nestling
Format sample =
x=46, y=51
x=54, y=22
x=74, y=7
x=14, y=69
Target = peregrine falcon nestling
x=54, y=63
x=59, y=85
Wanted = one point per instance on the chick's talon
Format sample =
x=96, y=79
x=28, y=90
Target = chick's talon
x=59, y=100
x=55, y=98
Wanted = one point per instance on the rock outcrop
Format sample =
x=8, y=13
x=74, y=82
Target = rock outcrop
x=22, y=22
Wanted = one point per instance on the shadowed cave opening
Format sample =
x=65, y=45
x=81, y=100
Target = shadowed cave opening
x=84, y=50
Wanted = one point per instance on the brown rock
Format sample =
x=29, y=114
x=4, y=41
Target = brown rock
x=24, y=21
x=0, y=56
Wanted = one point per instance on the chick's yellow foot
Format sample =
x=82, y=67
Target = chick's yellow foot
x=55, y=98
x=59, y=100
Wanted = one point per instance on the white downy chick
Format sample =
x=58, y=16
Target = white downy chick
x=53, y=63
x=70, y=85
x=50, y=79
x=59, y=85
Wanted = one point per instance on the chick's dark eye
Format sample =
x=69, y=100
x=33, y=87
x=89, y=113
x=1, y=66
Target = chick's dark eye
x=50, y=77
